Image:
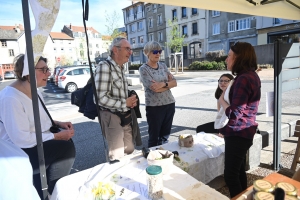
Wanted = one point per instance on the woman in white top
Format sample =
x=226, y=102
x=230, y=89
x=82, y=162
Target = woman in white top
x=17, y=126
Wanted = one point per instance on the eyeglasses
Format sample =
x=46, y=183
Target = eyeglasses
x=44, y=69
x=224, y=81
x=127, y=48
x=156, y=52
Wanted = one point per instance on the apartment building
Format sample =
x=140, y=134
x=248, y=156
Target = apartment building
x=95, y=42
x=156, y=25
x=12, y=40
x=135, y=25
x=224, y=29
x=192, y=25
x=270, y=29
x=63, y=48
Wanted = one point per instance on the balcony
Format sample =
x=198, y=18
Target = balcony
x=138, y=45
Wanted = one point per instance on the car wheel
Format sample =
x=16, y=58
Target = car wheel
x=71, y=87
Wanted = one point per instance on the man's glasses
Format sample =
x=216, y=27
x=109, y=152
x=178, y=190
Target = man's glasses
x=156, y=52
x=224, y=81
x=44, y=69
x=127, y=48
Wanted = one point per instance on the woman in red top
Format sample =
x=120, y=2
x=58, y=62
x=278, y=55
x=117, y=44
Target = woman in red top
x=244, y=97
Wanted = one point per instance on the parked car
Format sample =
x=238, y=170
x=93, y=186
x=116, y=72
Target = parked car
x=57, y=71
x=1, y=78
x=73, y=78
x=9, y=74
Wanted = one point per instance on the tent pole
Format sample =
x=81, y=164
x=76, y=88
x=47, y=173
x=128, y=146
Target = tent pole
x=277, y=104
x=36, y=113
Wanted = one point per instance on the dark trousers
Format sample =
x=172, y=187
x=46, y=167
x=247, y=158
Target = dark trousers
x=59, y=158
x=160, y=119
x=235, y=160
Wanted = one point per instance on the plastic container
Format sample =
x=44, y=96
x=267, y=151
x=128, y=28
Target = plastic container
x=155, y=158
x=262, y=186
x=154, y=181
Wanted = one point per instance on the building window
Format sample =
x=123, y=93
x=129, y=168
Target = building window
x=174, y=14
x=140, y=26
x=231, y=26
x=277, y=21
x=151, y=37
x=97, y=45
x=140, y=8
x=130, y=11
x=61, y=42
x=242, y=24
x=62, y=50
x=148, y=9
x=3, y=43
x=11, y=52
x=215, y=13
x=70, y=50
x=141, y=39
x=154, y=6
x=91, y=52
x=185, y=52
x=132, y=40
x=150, y=21
x=160, y=36
x=132, y=27
x=159, y=19
x=184, y=30
x=183, y=12
x=216, y=28
x=195, y=28
x=194, y=11
x=54, y=50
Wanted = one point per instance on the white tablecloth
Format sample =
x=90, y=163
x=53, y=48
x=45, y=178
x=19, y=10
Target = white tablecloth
x=205, y=160
x=130, y=175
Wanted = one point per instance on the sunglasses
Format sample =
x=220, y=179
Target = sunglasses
x=156, y=52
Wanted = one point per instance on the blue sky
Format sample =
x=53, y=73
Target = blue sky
x=70, y=12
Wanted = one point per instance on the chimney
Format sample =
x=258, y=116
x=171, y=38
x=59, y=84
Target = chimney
x=70, y=26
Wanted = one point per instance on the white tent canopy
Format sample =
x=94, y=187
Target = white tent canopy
x=286, y=9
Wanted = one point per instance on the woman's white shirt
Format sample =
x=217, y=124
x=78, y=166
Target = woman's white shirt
x=17, y=120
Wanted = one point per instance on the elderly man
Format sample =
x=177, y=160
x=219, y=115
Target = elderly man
x=114, y=102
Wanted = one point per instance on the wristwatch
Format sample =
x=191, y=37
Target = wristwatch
x=166, y=84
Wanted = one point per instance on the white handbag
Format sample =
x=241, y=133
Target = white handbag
x=222, y=119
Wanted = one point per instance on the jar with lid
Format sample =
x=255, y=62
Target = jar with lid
x=263, y=196
x=288, y=188
x=262, y=186
x=154, y=181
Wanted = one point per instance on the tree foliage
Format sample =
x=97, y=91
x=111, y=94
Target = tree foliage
x=112, y=25
x=175, y=39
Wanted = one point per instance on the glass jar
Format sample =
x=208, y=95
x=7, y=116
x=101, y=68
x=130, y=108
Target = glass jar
x=154, y=181
x=262, y=186
x=263, y=196
x=288, y=188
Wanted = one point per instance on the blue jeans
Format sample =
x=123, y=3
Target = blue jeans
x=160, y=119
x=235, y=160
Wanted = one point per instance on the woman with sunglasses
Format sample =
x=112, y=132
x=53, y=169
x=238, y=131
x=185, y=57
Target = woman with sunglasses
x=223, y=83
x=244, y=98
x=17, y=126
x=160, y=103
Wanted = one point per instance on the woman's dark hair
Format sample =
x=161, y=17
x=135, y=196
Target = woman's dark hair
x=19, y=65
x=245, y=57
x=218, y=90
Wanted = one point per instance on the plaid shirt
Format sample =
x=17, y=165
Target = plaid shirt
x=111, y=86
x=244, y=97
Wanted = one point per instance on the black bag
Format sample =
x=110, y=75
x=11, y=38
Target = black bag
x=54, y=129
x=125, y=117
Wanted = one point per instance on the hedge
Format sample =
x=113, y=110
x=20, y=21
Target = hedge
x=206, y=65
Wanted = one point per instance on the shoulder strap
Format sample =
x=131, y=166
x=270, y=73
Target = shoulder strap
x=53, y=124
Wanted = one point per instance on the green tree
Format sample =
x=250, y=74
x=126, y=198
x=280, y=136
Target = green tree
x=112, y=26
x=176, y=40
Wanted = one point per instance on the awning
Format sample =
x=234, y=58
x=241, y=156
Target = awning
x=286, y=9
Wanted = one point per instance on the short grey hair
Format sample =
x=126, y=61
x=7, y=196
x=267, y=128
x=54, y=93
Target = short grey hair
x=116, y=42
x=150, y=46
